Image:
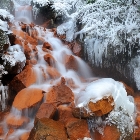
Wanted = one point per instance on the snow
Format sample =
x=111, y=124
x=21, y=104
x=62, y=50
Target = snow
x=104, y=88
x=6, y=15
x=14, y=55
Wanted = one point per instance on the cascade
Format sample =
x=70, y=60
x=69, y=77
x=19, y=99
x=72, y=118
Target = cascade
x=50, y=71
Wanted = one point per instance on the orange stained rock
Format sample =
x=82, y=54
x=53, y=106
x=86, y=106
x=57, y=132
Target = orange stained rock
x=46, y=47
x=46, y=110
x=71, y=62
x=27, y=97
x=77, y=129
x=13, y=121
x=102, y=106
x=110, y=133
x=49, y=59
x=60, y=94
x=24, y=136
x=53, y=72
x=26, y=78
x=1, y=130
x=25, y=36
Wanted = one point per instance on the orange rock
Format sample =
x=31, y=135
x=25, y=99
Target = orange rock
x=25, y=36
x=30, y=97
x=65, y=113
x=1, y=130
x=77, y=129
x=60, y=94
x=77, y=49
x=71, y=62
x=102, y=106
x=46, y=47
x=46, y=110
x=33, y=61
x=49, y=59
x=80, y=113
x=110, y=133
x=24, y=136
x=48, y=129
x=137, y=134
x=26, y=78
x=53, y=73
x=13, y=121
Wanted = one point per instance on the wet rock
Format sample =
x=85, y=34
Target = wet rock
x=137, y=134
x=102, y=107
x=53, y=73
x=26, y=78
x=77, y=129
x=49, y=59
x=24, y=136
x=46, y=47
x=48, y=129
x=1, y=131
x=65, y=113
x=60, y=94
x=77, y=49
x=14, y=122
x=30, y=97
x=71, y=62
x=46, y=110
x=80, y=113
x=25, y=36
x=110, y=133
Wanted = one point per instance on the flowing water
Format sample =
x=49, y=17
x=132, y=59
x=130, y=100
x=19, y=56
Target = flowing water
x=80, y=77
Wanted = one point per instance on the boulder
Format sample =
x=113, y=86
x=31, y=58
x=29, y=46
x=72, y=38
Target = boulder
x=77, y=129
x=60, y=94
x=25, y=36
x=27, y=98
x=53, y=73
x=48, y=129
x=14, y=122
x=26, y=78
x=77, y=49
x=46, y=110
x=110, y=133
x=46, y=47
x=24, y=136
x=49, y=59
x=102, y=107
x=71, y=63
x=64, y=113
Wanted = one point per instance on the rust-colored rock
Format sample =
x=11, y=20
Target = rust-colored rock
x=60, y=94
x=46, y=110
x=110, y=133
x=25, y=36
x=48, y=129
x=49, y=59
x=27, y=97
x=26, y=78
x=24, y=136
x=46, y=47
x=13, y=121
x=77, y=49
x=137, y=134
x=80, y=113
x=102, y=106
x=77, y=129
x=53, y=73
x=71, y=62
x=65, y=113
x=1, y=130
